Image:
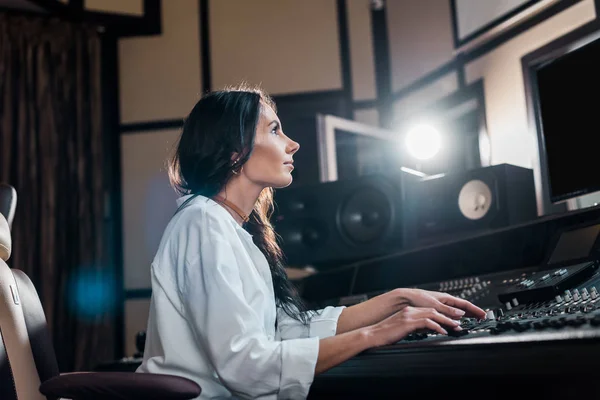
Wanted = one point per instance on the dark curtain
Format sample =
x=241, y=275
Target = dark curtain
x=51, y=152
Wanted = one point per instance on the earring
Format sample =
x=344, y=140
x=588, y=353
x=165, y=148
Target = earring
x=234, y=169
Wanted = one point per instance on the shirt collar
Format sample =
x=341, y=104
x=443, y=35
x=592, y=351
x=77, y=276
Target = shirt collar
x=219, y=210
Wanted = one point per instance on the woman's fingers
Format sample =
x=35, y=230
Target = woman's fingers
x=470, y=308
x=438, y=317
x=434, y=326
x=450, y=311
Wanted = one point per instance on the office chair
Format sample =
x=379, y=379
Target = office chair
x=8, y=202
x=28, y=366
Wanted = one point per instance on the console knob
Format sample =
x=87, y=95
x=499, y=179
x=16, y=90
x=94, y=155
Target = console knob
x=584, y=294
x=515, y=302
x=576, y=295
x=508, y=306
x=558, y=299
x=568, y=298
x=568, y=293
x=490, y=314
x=594, y=293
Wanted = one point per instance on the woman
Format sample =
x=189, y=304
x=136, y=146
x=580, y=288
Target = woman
x=223, y=312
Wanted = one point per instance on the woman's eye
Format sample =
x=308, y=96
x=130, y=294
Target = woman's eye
x=275, y=130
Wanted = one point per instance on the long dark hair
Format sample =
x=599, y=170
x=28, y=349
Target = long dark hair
x=220, y=124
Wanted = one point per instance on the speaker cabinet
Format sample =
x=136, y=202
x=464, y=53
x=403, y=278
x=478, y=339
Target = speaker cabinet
x=480, y=199
x=330, y=224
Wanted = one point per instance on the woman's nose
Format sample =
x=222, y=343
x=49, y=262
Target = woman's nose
x=293, y=147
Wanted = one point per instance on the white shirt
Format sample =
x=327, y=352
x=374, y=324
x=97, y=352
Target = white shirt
x=213, y=313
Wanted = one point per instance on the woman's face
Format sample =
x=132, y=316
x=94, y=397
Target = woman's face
x=271, y=162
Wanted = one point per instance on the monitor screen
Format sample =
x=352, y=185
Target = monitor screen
x=567, y=87
x=349, y=149
x=575, y=244
x=358, y=155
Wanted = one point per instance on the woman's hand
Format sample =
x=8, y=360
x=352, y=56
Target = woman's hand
x=407, y=320
x=388, y=318
x=444, y=303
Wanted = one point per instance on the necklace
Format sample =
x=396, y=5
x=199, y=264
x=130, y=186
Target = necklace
x=229, y=204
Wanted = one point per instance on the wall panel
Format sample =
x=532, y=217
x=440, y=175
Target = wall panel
x=361, y=50
x=286, y=46
x=130, y=7
x=160, y=75
x=136, y=320
x=367, y=116
x=148, y=200
x=420, y=36
x=410, y=105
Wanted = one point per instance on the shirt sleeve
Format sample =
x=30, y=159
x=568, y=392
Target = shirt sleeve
x=322, y=324
x=232, y=334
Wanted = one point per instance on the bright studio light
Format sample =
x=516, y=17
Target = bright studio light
x=423, y=142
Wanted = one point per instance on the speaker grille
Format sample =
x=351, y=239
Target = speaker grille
x=310, y=233
x=366, y=216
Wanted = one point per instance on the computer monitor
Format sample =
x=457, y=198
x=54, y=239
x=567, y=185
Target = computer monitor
x=348, y=149
x=565, y=83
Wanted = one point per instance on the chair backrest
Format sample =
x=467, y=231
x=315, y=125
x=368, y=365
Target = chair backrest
x=26, y=353
x=8, y=202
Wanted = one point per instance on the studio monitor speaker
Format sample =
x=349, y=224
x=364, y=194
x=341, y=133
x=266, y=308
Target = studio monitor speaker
x=479, y=199
x=333, y=223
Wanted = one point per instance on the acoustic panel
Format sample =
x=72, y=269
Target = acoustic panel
x=286, y=46
x=361, y=50
x=148, y=201
x=136, y=320
x=130, y=7
x=159, y=76
x=420, y=36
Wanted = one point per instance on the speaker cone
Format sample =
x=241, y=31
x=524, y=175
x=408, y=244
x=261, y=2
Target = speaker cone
x=366, y=216
x=475, y=199
x=309, y=233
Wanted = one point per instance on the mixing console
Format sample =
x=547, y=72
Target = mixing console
x=540, y=337
x=544, y=300
x=541, y=333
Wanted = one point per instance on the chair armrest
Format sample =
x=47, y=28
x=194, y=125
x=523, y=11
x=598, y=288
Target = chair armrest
x=119, y=386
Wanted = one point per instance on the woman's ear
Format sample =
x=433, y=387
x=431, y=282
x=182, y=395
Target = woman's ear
x=235, y=157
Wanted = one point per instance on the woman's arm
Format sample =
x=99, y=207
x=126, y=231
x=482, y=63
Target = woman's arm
x=336, y=349
x=371, y=311
x=378, y=308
